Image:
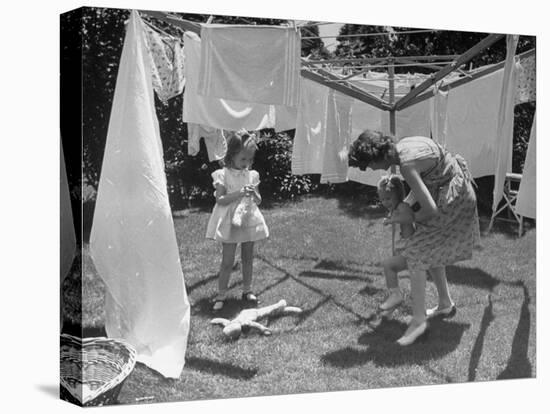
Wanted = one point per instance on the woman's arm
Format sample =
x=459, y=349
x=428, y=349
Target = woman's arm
x=223, y=198
x=428, y=208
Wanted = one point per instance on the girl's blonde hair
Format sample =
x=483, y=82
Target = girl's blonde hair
x=236, y=142
x=392, y=184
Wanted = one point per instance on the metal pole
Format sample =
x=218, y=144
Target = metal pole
x=391, y=73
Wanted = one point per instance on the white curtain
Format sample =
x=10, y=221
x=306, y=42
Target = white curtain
x=526, y=204
x=505, y=125
x=133, y=241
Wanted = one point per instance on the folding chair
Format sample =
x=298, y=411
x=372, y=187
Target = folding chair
x=510, y=195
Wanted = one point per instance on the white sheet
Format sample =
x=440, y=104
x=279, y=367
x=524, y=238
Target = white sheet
x=338, y=138
x=133, y=242
x=226, y=114
x=505, y=122
x=526, y=204
x=309, y=138
x=472, y=118
x=250, y=63
x=214, y=139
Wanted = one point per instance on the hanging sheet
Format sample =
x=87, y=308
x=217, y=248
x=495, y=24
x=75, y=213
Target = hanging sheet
x=439, y=118
x=216, y=146
x=526, y=204
x=250, y=63
x=505, y=123
x=222, y=113
x=166, y=54
x=133, y=241
x=471, y=122
x=309, y=139
x=338, y=138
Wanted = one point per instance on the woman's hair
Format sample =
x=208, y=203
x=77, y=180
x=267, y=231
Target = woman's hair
x=236, y=142
x=392, y=184
x=370, y=146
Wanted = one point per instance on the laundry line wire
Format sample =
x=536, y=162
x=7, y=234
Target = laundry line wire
x=371, y=34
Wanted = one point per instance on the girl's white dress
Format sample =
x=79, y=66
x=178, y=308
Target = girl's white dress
x=220, y=226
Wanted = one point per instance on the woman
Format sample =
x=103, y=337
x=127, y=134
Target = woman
x=447, y=225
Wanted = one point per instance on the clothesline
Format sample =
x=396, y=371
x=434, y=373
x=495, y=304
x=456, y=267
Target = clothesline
x=396, y=58
x=370, y=34
x=387, y=66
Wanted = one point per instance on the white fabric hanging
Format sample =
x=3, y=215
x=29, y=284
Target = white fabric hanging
x=338, y=137
x=226, y=114
x=505, y=124
x=133, y=241
x=471, y=122
x=438, y=113
x=216, y=145
x=526, y=204
x=250, y=63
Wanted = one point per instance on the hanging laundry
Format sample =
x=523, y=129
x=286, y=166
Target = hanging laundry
x=226, y=114
x=309, y=138
x=166, y=54
x=216, y=145
x=526, y=204
x=472, y=118
x=250, y=63
x=338, y=138
x=411, y=121
x=505, y=120
x=438, y=113
x=133, y=242
x=527, y=80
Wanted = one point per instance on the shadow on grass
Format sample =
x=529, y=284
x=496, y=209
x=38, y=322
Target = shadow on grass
x=202, y=282
x=476, y=278
x=488, y=317
x=220, y=368
x=370, y=291
x=518, y=365
x=230, y=309
x=323, y=275
x=442, y=338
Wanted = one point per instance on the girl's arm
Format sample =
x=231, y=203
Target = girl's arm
x=255, y=193
x=223, y=197
x=428, y=208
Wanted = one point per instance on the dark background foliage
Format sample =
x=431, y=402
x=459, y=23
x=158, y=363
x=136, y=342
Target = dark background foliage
x=102, y=34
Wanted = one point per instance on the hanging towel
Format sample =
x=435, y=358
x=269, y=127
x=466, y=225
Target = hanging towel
x=214, y=139
x=526, y=90
x=365, y=116
x=472, y=117
x=166, y=54
x=505, y=122
x=438, y=113
x=338, y=138
x=226, y=114
x=526, y=204
x=250, y=63
x=309, y=138
x=133, y=241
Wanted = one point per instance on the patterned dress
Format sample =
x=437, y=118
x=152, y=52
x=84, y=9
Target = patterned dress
x=453, y=233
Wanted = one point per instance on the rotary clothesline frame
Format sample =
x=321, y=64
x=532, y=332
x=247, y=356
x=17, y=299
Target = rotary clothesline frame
x=314, y=71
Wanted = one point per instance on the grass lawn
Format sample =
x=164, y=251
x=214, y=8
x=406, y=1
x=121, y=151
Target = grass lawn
x=323, y=256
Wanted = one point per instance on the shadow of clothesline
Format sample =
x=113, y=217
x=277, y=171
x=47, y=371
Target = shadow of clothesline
x=220, y=368
x=488, y=317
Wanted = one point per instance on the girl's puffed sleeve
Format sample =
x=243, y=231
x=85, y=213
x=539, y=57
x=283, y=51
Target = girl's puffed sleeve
x=218, y=177
x=254, y=177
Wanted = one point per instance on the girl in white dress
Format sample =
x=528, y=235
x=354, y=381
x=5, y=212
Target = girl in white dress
x=236, y=217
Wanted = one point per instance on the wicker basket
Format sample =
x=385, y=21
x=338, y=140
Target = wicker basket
x=94, y=369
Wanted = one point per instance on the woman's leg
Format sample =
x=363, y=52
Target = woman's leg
x=228, y=258
x=247, y=258
x=418, y=295
x=439, y=276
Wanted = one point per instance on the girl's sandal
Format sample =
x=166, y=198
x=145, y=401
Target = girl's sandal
x=250, y=298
